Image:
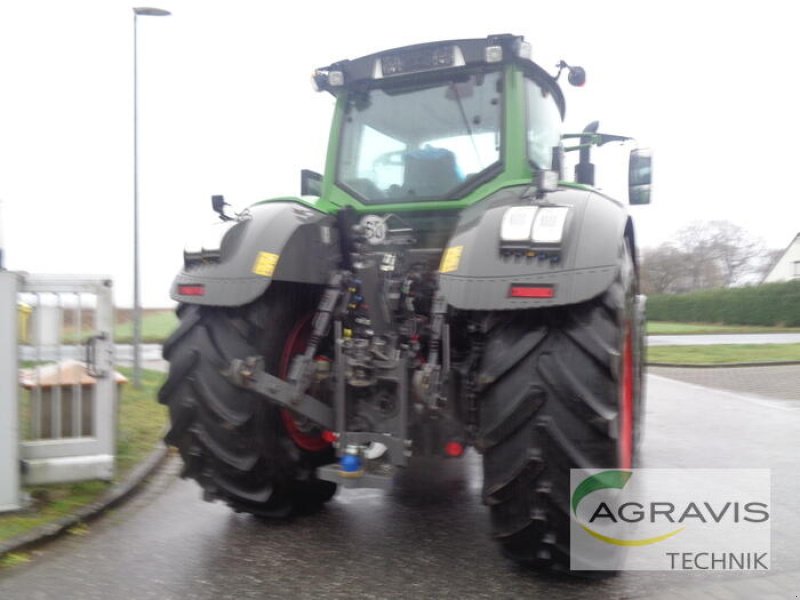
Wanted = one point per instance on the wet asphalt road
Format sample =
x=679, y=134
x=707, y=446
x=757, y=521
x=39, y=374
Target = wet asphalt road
x=429, y=538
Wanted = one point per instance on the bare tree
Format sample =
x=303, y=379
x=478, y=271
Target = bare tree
x=737, y=252
x=663, y=270
x=705, y=254
x=696, y=242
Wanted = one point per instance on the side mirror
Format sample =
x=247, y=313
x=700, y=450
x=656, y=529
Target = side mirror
x=577, y=76
x=218, y=204
x=310, y=183
x=640, y=176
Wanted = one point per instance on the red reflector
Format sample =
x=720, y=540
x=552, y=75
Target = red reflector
x=192, y=290
x=530, y=291
x=454, y=449
x=330, y=436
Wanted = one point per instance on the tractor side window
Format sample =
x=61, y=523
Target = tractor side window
x=544, y=125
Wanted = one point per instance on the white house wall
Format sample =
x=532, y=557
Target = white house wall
x=788, y=267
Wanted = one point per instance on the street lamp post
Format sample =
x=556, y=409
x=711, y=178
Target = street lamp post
x=137, y=307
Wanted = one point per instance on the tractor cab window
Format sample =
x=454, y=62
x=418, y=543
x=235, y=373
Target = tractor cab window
x=421, y=143
x=544, y=124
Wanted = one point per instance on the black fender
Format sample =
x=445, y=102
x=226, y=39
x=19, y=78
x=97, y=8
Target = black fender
x=285, y=241
x=476, y=275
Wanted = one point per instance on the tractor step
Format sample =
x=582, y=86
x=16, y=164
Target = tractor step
x=373, y=476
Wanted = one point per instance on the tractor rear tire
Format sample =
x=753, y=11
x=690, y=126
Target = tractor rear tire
x=562, y=390
x=232, y=441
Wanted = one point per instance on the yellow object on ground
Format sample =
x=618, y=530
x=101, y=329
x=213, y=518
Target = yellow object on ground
x=23, y=318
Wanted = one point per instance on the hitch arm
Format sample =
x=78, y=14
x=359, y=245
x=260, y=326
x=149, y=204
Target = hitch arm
x=249, y=374
x=302, y=368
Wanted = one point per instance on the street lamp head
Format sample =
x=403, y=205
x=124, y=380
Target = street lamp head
x=151, y=12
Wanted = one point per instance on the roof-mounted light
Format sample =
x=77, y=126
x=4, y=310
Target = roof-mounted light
x=336, y=79
x=493, y=54
x=322, y=79
x=524, y=50
x=318, y=80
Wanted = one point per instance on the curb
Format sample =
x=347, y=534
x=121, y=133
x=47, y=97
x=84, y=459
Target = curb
x=781, y=363
x=113, y=497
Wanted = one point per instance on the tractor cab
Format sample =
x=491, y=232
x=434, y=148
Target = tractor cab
x=432, y=123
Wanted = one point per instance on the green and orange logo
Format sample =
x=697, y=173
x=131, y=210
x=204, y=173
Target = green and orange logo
x=604, y=481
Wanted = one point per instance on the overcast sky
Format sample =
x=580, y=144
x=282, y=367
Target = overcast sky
x=226, y=107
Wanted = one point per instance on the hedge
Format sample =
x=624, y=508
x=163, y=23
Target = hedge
x=772, y=304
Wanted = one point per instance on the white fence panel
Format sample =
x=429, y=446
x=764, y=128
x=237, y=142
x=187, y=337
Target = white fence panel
x=68, y=393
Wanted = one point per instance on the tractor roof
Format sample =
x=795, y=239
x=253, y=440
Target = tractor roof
x=432, y=60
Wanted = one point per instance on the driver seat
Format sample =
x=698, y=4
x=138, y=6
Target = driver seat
x=431, y=172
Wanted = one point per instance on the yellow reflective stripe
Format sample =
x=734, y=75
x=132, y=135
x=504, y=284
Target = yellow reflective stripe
x=265, y=264
x=451, y=259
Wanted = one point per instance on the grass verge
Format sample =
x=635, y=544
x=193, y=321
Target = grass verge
x=141, y=421
x=724, y=354
x=671, y=328
x=156, y=327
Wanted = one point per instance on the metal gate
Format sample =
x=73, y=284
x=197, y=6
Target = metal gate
x=9, y=405
x=66, y=388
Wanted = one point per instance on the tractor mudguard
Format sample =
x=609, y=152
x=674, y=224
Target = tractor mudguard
x=285, y=241
x=476, y=274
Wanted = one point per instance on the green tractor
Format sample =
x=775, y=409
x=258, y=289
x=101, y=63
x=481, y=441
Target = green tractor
x=440, y=287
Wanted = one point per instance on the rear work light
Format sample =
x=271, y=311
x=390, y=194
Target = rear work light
x=548, y=227
x=533, y=226
x=517, y=224
x=531, y=291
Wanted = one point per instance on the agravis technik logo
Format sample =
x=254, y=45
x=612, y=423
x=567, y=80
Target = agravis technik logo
x=674, y=519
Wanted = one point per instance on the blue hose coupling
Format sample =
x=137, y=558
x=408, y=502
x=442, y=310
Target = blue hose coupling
x=351, y=464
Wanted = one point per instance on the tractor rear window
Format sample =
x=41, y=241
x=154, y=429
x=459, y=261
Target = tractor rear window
x=423, y=143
